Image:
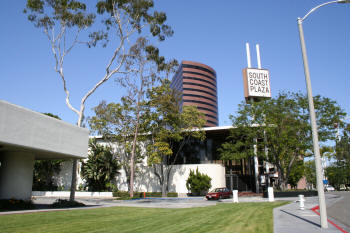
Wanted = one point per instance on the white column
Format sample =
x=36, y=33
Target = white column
x=16, y=175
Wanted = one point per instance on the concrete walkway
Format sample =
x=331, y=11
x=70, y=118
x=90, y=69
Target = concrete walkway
x=290, y=219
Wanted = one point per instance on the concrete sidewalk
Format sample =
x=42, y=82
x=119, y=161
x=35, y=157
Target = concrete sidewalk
x=290, y=218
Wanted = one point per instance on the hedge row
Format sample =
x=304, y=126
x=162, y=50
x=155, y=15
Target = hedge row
x=14, y=204
x=293, y=193
x=125, y=194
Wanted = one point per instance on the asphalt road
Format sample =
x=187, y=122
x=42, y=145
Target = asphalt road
x=340, y=210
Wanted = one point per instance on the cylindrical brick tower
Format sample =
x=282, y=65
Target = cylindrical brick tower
x=197, y=83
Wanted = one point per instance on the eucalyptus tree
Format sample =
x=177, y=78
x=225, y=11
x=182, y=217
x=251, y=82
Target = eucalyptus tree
x=127, y=120
x=68, y=24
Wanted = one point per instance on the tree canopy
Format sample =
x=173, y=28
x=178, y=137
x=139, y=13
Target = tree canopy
x=70, y=23
x=281, y=124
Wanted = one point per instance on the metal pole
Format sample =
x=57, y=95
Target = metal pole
x=320, y=190
x=249, y=63
x=258, y=55
x=255, y=158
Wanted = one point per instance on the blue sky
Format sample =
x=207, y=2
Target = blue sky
x=210, y=32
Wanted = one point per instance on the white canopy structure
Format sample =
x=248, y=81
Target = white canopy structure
x=26, y=135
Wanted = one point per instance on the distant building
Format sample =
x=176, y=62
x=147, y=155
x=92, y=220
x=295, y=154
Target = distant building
x=197, y=84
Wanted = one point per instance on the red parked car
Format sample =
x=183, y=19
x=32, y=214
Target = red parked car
x=219, y=193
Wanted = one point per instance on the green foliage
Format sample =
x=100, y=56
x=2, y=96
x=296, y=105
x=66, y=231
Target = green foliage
x=170, y=129
x=296, y=173
x=342, y=148
x=138, y=12
x=43, y=173
x=170, y=125
x=310, y=172
x=198, y=182
x=281, y=124
x=101, y=167
x=71, y=12
x=62, y=203
x=338, y=174
x=52, y=115
x=14, y=204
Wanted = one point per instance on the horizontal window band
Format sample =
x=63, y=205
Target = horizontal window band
x=192, y=89
x=215, y=118
x=199, y=102
x=199, y=68
x=207, y=109
x=212, y=122
x=199, y=96
x=192, y=72
x=189, y=78
x=199, y=85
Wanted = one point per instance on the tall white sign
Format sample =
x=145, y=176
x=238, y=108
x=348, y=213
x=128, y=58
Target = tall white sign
x=256, y=83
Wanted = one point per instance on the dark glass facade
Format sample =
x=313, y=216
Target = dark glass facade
x=197, y=84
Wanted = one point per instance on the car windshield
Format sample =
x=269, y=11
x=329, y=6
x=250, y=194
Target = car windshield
x=215, y=190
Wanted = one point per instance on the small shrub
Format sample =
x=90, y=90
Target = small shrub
x=62, y=203
x=198, y=183
x=13, y=204
x=121, y=194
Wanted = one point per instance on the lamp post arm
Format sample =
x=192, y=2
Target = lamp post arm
x=321, y=5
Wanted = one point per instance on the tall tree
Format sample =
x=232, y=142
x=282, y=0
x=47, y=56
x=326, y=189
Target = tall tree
x=284, y=125
x=146, y=67
x=338, y=172
x=170, y=130
x=66, y=22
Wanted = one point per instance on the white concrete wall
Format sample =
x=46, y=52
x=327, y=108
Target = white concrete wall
x=215, y=171
x=67, y=194
x=26, y=135
x=146, y=181
x=46, y=136
x=16, y=175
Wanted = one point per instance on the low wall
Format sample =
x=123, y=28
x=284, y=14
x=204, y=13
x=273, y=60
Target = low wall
x=66, y=194
x=146, y=181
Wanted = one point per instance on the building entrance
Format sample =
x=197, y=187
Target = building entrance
x=240, y=175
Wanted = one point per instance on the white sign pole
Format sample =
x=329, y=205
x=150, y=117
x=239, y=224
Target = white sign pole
x=258, y=56
x=248, y=55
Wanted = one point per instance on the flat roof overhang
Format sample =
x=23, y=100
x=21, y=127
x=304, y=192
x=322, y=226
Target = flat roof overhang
x=44, y=136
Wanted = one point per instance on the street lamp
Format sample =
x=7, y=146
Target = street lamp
x=320, y=190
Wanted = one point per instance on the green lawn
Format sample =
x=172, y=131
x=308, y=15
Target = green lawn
x=227, y=217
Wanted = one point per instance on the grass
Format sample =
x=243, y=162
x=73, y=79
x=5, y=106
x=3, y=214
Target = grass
x=228, y=217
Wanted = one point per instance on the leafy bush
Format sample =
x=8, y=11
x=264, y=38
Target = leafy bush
x=13, y=204
x=198, y=183
x=43, y=173
x=62, y=203
x=101, y=167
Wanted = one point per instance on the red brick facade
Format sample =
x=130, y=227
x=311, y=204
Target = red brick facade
x=197, y=84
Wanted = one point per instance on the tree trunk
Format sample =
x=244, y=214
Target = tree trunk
x=73, y=185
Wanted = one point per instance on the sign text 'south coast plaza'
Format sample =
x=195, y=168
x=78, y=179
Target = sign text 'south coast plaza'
x=256, y=83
